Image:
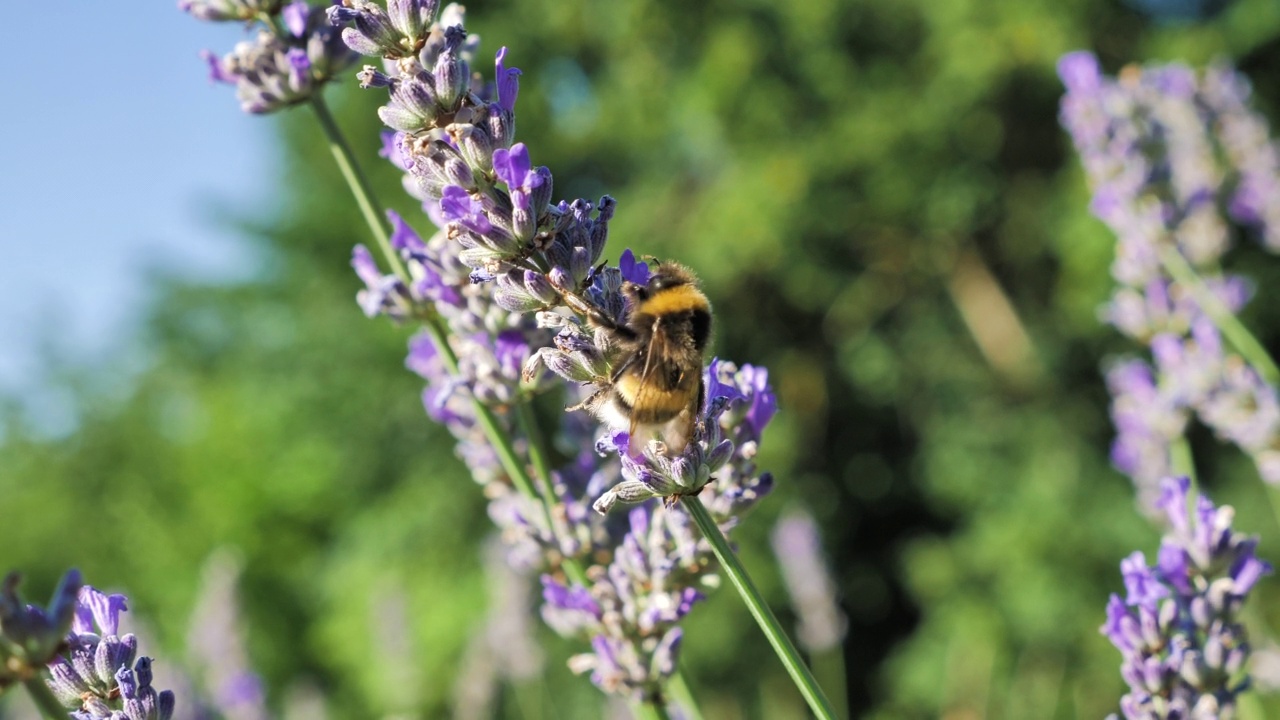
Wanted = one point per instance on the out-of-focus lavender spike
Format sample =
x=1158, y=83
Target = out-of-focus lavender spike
x=1164, y=148
x=216, y=643
x=229, y=10
x=395, y=649
x=288, y=60
x=798, y=547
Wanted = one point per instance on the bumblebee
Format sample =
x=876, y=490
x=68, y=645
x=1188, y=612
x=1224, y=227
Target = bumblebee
x=656, y=388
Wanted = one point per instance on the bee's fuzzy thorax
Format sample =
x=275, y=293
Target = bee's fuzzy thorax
x=668, y=300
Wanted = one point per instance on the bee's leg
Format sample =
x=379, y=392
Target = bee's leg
x=590, y=404
x=592, y=313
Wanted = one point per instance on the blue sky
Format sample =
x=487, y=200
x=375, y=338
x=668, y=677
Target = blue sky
x=116, y=154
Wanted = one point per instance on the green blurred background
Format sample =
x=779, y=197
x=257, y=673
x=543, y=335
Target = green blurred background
x=885, y=213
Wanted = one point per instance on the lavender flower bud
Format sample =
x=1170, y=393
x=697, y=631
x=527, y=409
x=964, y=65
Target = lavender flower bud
x=561, y=280
x=600, y=228
x=369, y=76
x=501, y=124
x=540, y=195
x=411, y=17
x=474, y=143
x=413, y=104
x=451, y=73
x=510, y=294
x=579, y=265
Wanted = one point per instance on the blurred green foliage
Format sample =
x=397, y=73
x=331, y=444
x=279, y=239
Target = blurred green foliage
x=867, y=188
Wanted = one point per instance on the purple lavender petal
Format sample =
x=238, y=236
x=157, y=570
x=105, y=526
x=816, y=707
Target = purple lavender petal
x=457, y=205
x=100, y=609
x=404, y=237
x=508, y=82
x=296, y=14
x=633, y=271
x=1079, y=72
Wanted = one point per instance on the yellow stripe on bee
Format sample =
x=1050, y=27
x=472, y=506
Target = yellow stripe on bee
x=673, y=300
x=655, y=404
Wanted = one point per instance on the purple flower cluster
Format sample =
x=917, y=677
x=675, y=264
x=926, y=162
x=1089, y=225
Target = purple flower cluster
x=514, y=277
x=295, y=52
x=96, y=676
x=30, y=636
x=798, y=546
x=1174, y=159
x=1184, y=651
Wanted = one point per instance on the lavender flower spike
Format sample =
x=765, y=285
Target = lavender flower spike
x=30, y=636
x=97, y=676
x=1175, y=158
x=813, y=595
x=1184, y=650
x=228, y=10
x=294, y=54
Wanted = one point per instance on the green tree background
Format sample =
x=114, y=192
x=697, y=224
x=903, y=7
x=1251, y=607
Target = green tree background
x=865, y=187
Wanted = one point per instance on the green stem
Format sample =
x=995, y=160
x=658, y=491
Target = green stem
x=683, y=696
x=829, y=665
x=755, y=603
x=542, y=466
x=44, y=699
x=488, y=421
x=359, y=185
x=537, y=445
x=659, y=710
x=649, y=711
x=1181, y=459
x=528, y=699
x=1232, y=329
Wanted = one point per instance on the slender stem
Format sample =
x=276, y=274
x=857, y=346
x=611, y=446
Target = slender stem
x=542, y=466
x=1181, y=459
x=537, y=444
x=755, y=603
x=683, y=696
x=1232, y=329
x=44, y=699
x=488, y=420
x=649, y=711
x=359, y=185
x=829, y=665
x=528, y=699
x=659, y=710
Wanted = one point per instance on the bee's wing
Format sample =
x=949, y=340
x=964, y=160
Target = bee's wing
x=663, y=373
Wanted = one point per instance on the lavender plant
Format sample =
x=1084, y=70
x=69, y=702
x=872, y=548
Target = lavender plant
x=1178, y=163
x=510, y=291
